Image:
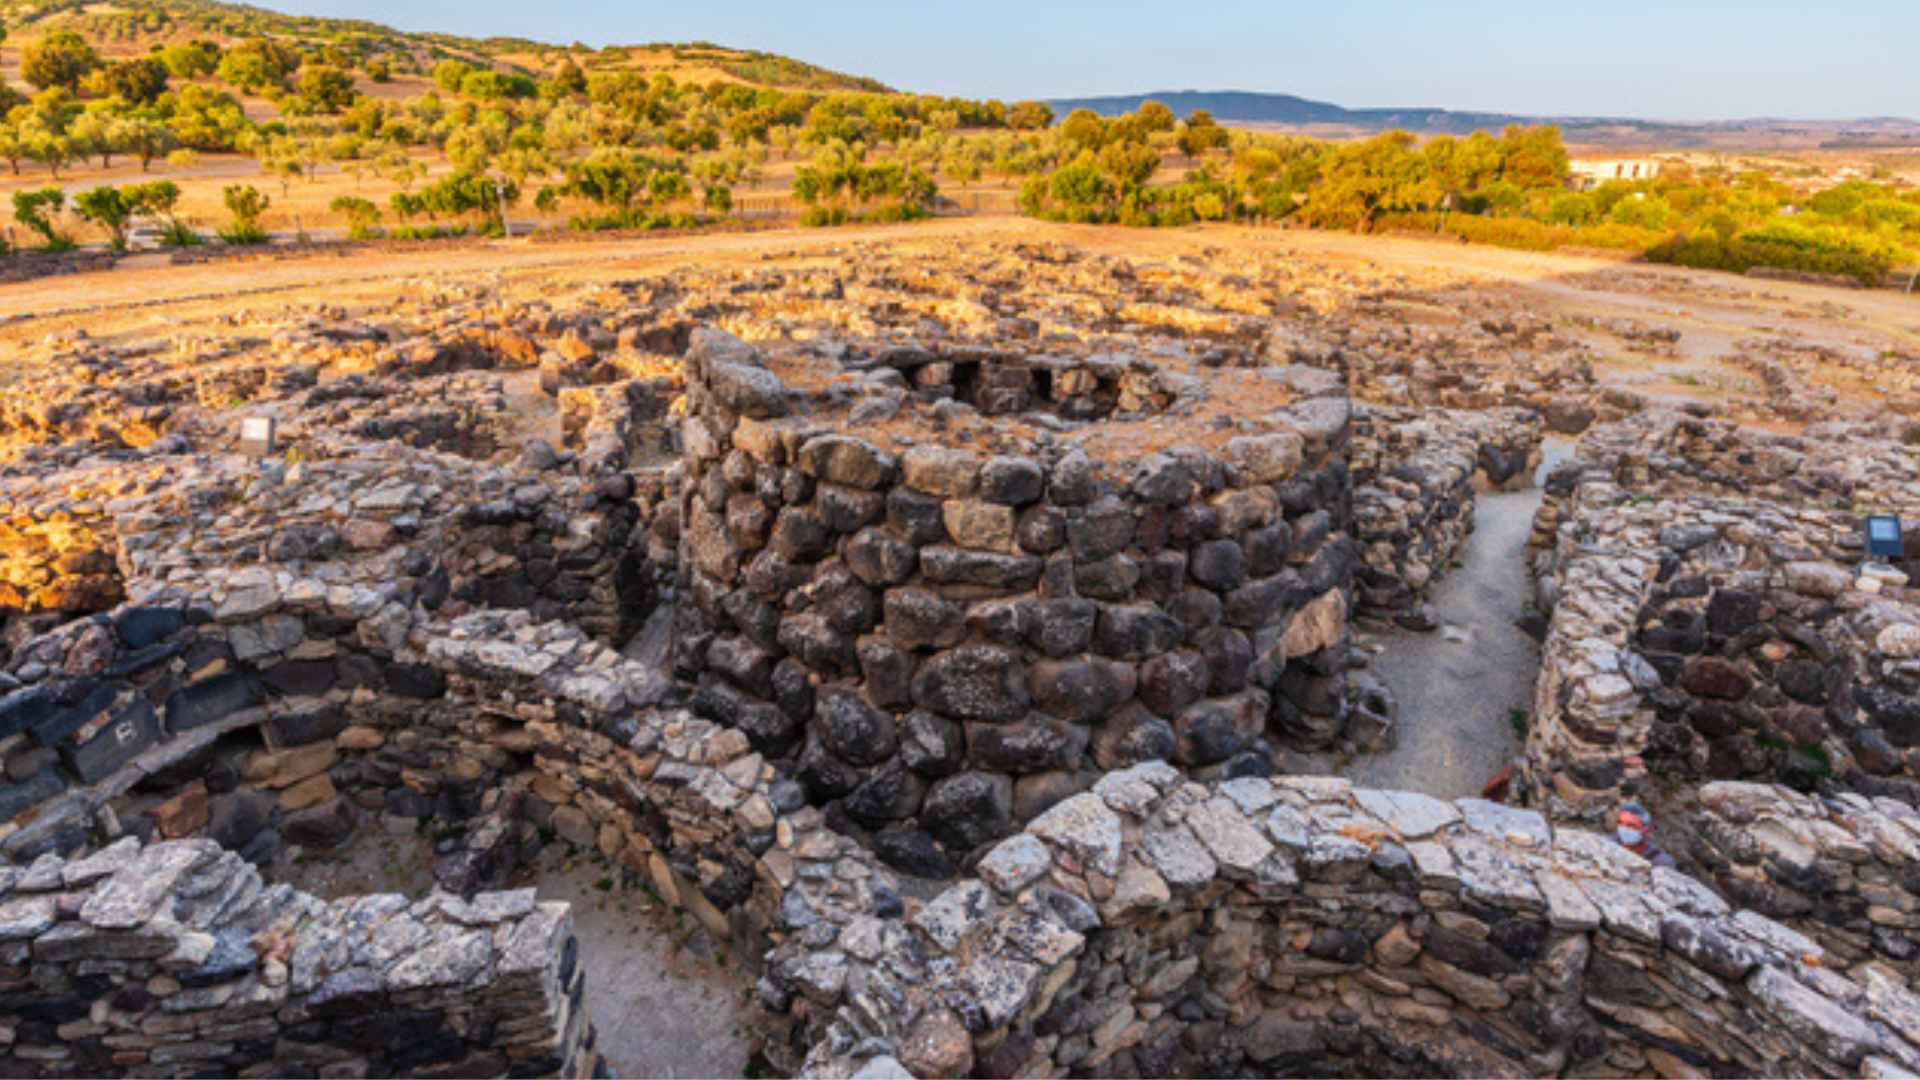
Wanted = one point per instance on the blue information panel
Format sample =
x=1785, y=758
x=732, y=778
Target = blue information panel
x=1883, y=536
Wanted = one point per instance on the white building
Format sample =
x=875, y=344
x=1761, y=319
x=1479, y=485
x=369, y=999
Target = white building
x=1587, y=174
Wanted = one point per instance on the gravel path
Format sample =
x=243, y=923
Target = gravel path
x=1459, y=686
x=665, y=1001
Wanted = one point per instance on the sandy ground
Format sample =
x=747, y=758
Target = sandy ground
x=1588, y=298
x=666, y=1001
x=1697, y=302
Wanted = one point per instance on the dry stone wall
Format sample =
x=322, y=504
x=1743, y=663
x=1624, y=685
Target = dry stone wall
x=175, y=958
x=1712, y=637
x=1157, y=926
x=277, y=604
x=1415, y=475
x=947, y=636
x=1838, y=867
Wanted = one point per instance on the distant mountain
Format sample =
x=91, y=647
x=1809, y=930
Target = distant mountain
x=1244, y=107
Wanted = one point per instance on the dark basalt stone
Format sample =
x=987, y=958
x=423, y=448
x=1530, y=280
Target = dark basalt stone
x=139, y=627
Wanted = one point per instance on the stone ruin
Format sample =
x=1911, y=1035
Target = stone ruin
x=948, y=625
x=948, y=681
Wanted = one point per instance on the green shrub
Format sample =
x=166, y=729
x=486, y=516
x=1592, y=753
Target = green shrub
x=244, y=235
x=637, y=219
x=178, y=234
x=1707, y=251
x=1525, y=234
x=820, y=216
x=427, y=232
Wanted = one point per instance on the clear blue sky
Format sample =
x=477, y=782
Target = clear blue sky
x=1686, y=60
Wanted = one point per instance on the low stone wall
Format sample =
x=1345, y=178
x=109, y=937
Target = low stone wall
x=1590, y=718
x=1415, y=474
x=1713, y=637
x=446, y=530
x=1672, y=452
x=27, y=265
x=1154, y=926
x=176, y=958
x=946, y=638
x=280, y=602
x=490, y=723
x=1839, y=868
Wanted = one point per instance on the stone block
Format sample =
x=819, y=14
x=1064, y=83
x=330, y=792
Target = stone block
x=122, y=738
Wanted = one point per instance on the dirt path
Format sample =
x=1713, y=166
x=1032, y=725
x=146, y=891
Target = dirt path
x=1458, y=687
x=665, y=1002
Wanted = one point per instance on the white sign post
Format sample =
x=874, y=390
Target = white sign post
x=256, y=436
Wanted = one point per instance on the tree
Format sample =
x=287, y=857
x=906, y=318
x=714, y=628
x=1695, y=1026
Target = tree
x=1131, y=163
x=489, y=85
x=106, y=207
x=48, y=148
x=1029, y=115
x=35, y=210
x=195, y=59
x=11, y=147
x=136, y=82
x=1084, y=129
x=1367, y=179
x=323, y=89
x=449, y=74
x=61, y=59
x=1200, y=134
x=92, y=132
x=612, y=179
x=1570, y=208
x=153, y=197
x=465, y=193
x=258, y=63
x=363, y=218
x=246, y=204
x=1533, y=156
x=1155, y=116
x=472, y=147
x=567, y=80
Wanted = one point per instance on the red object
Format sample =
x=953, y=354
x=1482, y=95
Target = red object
x=1496, y=788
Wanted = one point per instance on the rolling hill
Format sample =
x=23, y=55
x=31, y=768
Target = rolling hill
x=127, y=27
x=1288, y=110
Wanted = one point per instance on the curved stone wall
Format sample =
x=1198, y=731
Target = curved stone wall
x=948, y=636
x=1154, y=926
x=1706, y=636
x=175, y=958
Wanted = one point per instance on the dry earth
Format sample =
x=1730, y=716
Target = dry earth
x=1774, y=352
